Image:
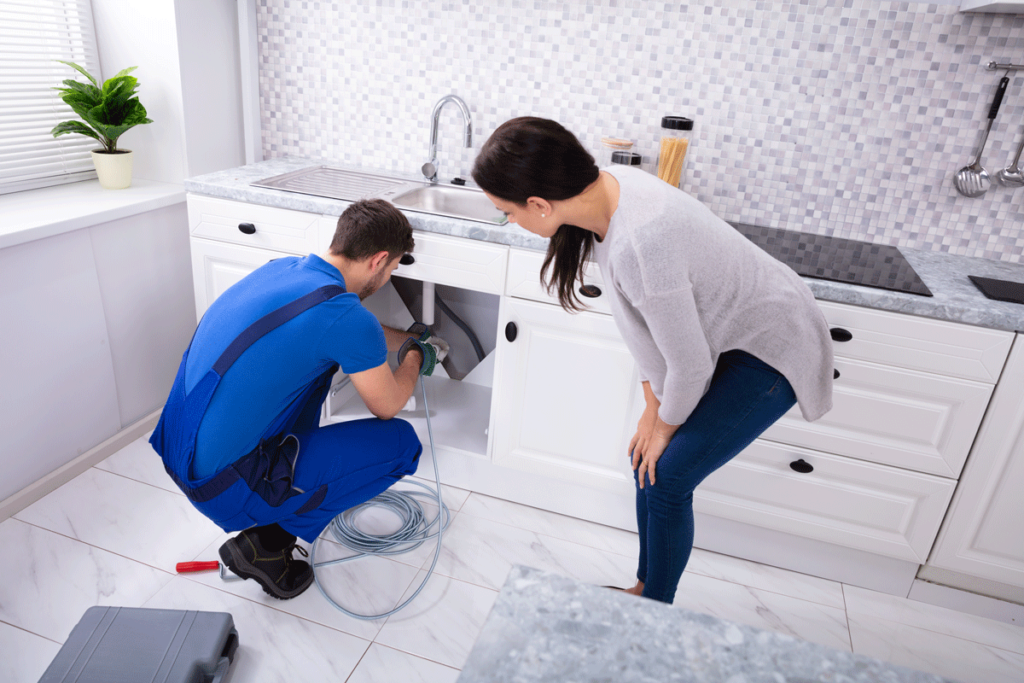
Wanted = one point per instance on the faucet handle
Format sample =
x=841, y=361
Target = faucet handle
x=429, y=170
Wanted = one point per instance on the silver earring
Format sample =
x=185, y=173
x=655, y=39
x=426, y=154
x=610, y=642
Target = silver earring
x=543, y=215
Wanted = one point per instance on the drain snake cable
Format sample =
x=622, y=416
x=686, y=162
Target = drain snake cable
x=414, y=531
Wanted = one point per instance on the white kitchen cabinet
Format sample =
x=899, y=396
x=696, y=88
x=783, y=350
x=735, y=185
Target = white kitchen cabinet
x=567, y=396
x=251, y=225
x=216, y=266
x=983, y=535
x=910, y=419
x=865, y=506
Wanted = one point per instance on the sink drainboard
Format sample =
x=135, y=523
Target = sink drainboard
x=323, y=181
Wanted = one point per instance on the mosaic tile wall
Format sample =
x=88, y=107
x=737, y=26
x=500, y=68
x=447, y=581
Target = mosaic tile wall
x=838, y=117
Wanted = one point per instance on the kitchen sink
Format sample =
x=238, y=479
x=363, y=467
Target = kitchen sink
x=442, y=200
x=447, y=200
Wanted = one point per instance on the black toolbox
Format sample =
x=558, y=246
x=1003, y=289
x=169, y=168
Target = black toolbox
x=128, y=645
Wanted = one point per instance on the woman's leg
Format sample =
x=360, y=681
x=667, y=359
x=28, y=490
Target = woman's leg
x=746, y=396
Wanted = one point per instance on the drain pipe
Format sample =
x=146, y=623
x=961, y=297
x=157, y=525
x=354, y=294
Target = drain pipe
x=427, y=317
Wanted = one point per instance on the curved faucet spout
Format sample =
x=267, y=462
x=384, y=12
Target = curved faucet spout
x=430, y=168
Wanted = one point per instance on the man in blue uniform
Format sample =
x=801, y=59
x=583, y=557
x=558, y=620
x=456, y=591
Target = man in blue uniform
x=240, y=431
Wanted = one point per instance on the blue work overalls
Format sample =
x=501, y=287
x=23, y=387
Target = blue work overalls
x=259, y=488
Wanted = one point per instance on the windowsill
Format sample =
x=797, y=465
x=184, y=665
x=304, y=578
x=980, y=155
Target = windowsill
x=36, y=214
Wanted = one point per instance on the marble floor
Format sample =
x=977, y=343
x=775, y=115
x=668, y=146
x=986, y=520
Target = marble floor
x=113, y=535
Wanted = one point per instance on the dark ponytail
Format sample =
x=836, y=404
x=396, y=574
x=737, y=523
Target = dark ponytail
x=532, y=157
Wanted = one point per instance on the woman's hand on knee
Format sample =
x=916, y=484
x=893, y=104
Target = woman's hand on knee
x=644, y=429
x=659, y=439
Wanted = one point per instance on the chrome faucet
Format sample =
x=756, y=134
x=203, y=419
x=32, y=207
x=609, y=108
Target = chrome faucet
x=430, y=168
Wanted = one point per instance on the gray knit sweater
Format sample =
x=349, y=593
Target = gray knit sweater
x=686, y=286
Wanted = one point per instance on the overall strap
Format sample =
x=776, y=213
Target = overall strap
x=272, y=321
x=202, y=393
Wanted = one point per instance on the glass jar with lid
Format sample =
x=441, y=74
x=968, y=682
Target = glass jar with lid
x=611, y=146
x=675, y=141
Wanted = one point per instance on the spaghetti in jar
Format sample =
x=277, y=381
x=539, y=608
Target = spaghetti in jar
x=675, y=140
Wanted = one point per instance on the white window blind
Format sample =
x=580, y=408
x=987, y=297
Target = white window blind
x=33, y=34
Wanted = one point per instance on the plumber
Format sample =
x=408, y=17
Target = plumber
x=240, y=432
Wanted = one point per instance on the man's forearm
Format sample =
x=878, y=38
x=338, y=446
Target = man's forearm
x=395, y=338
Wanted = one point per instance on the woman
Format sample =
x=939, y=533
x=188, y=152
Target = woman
x=726, y=338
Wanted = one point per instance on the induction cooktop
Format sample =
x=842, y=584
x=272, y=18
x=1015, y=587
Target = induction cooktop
x=838, y=259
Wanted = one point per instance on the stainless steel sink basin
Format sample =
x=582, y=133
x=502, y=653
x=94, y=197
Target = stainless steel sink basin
x=441, y=200
x=447, y=200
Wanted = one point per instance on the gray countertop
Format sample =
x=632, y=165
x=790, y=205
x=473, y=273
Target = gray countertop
x=955, y=297
x=545, y=627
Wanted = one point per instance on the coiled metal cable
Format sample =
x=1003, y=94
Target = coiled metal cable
x=414, y=531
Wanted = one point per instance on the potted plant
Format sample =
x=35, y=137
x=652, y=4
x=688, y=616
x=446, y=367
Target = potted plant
x=107, y=111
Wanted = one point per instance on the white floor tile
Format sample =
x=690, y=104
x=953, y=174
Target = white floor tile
x=936, y=653
x=370, y=585
x=126, y=517
x=770, y=611
x=454, y=498
x=50, y=580
x=553, y=524
x=26, y=655
x=273, y=645
x=140, y=462
x=384, y=665
x=763, y=577
x=482, y=552
x=442, y=623
x=861, y=601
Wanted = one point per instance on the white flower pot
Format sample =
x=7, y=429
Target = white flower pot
x=114, y=170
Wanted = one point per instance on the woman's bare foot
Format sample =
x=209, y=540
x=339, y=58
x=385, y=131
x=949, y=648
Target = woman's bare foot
x=638, y=589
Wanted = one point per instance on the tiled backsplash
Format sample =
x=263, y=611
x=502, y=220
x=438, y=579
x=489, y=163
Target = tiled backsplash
x=839, y=117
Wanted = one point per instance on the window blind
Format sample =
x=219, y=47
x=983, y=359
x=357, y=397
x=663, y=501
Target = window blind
x=33, y=34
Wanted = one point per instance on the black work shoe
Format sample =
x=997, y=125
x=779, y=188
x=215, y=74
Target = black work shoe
x=279, y=574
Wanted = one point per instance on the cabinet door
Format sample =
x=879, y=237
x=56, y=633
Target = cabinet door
x=216, y=266
x=915, y=420
x=861, y=505
x=983, y=534
x=567, y=396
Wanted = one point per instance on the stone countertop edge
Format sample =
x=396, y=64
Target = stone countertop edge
x=544, y=627
x=955, y=299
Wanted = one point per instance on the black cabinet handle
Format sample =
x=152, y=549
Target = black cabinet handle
x=840, y=335
x=511, y=331
x=590, y=291
x=406, y=260
x=835, y=374
x=247, y=228
x=801, y=466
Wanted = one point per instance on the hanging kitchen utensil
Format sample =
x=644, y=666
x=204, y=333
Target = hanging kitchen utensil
x=973, y=180
x=1011, y=176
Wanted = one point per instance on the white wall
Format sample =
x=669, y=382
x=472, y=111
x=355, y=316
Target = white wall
x=143, y=34
x=187, y=54
x=208, y=56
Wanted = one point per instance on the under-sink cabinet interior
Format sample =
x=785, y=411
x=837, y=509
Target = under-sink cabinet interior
x=545, y=417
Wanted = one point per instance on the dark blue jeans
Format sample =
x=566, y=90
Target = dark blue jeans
x=746, y=396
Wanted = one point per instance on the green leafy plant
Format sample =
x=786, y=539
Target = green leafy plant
x=107, y=111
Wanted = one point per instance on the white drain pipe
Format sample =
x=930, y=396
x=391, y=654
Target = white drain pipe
x=427, y=317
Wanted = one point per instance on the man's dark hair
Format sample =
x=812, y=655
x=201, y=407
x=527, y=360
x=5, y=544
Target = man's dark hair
x=370, y=226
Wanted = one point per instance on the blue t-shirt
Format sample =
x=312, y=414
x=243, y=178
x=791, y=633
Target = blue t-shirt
x=268, y=377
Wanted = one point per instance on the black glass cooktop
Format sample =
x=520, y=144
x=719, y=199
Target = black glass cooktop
x=838, y=259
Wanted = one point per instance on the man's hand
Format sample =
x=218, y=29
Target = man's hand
x=433, y=350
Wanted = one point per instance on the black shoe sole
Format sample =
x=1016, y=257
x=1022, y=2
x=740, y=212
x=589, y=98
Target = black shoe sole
x=233, y=559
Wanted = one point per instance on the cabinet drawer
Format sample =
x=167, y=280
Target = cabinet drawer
x=888, y=415
x=458, y=262
x=295, y=232
x=524, y=281
x=859, y=505
x=916, y=343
